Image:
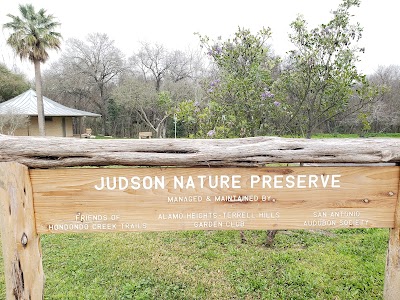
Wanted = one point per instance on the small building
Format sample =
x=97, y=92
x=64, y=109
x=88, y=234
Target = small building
x=58, y=118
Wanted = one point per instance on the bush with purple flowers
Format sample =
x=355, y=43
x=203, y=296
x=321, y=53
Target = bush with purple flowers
x=321, y=77
x=266, y=94
x=244, y=65
x=211, y=133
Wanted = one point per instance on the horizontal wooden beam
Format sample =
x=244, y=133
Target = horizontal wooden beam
x=38, y=152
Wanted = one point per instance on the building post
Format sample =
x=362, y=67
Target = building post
x=22, y=253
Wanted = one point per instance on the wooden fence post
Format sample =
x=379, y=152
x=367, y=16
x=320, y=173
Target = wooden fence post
x=22, y=253
x=391, y=289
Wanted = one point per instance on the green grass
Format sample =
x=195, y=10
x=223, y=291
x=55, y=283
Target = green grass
x=353, y=135
x=318, y=135
x=388, y=135
x=367, y=135
x=335, y=135
x=337, y=264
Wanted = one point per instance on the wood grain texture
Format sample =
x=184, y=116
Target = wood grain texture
x=21, y=245
x=392, y=273
x=37, y=152
x=66, y=200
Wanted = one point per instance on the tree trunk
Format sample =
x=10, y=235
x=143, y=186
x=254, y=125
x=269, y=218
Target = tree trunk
x=39, y=96
x=104, y=130
x=104, y=110
x=270, y=237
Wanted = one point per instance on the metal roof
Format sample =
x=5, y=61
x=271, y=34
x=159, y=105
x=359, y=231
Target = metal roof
x=26, y=104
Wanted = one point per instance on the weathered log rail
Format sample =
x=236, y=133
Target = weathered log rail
x=36, y=152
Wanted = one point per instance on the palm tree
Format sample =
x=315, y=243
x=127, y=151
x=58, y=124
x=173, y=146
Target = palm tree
x=32, y=35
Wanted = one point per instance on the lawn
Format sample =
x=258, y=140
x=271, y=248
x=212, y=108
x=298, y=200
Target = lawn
x=335, y=264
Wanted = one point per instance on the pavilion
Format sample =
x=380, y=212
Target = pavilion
x=58, y=118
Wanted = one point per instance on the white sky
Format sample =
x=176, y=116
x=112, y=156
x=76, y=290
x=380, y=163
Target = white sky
x=173, y=22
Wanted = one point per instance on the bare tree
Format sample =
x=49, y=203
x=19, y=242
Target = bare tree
x=66, y=85
x=11, y=121
x=100, y=62
x=181, y=66
x=160, y=78
x=151, y=107
x=385, y=113
x=153, y=62
x=156, y=63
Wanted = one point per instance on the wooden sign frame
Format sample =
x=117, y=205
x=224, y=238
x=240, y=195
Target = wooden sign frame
x=330, y=197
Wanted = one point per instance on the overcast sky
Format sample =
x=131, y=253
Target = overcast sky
x=173, y=22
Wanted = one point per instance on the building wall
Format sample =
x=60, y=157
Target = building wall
x=54, y=127
x=69, y=126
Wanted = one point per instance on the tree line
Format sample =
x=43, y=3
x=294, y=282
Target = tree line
x=228, y=88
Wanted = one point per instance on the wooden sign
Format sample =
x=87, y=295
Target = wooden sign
x=160, y=199
x=156, y=199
